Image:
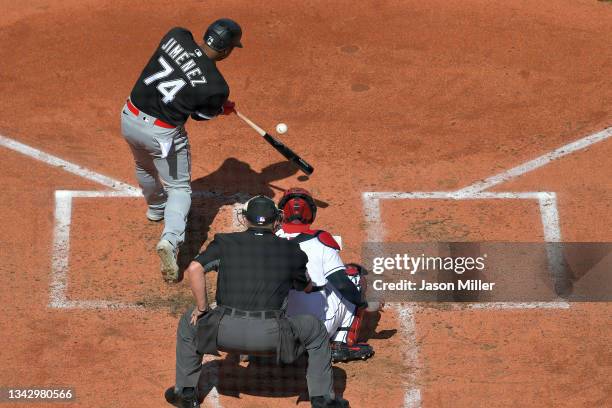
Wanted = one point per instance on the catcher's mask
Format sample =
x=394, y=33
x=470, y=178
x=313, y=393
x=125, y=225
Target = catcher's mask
x=298, y=206
x=261, y=210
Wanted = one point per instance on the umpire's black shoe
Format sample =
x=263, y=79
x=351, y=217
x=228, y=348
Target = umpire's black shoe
x=187, y=399
x=342, y=352
x=322, y=402
x=172, y=397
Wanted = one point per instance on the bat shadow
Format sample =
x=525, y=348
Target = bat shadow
x=232, y=183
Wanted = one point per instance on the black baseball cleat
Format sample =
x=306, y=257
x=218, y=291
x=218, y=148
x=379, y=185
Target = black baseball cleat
x=171, y=396
x=322, y=402
x=187, y=399
x=342, y=352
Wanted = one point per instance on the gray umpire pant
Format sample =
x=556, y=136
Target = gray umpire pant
x=250, y=335
x=165, y=179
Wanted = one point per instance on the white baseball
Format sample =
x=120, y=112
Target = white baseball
x=281, y=128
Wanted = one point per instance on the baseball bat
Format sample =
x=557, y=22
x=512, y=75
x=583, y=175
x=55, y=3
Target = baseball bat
x=279, y=146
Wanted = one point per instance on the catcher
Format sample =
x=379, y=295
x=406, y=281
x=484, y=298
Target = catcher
x=335, y=294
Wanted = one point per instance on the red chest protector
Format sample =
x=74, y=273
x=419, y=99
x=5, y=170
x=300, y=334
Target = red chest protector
x=305, y=234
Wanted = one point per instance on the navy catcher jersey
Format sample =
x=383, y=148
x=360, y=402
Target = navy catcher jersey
x=180, y=81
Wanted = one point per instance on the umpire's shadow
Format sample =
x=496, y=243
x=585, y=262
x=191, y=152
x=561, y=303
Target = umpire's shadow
x=261, y=377
x=233, y=182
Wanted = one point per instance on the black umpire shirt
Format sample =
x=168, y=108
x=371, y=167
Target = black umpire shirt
x=256, y=269
x=180, y=80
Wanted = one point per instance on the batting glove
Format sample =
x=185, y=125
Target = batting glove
x=228, y=108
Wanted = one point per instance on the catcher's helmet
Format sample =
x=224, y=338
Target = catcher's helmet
x=298, y=206
x=261, y=210
x=353, y=269
x=223, y=34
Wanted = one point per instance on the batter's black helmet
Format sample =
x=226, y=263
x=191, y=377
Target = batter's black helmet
x=223, y=34
x=261, y=210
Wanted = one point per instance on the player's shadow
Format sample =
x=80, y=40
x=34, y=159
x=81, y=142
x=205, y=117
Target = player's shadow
x=261, y=377
x=369, y=325
x=233, y=182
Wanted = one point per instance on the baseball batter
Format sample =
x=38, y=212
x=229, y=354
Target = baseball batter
x=181, y=80
x=334, y=296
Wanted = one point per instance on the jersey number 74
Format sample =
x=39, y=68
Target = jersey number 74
x=170, y=88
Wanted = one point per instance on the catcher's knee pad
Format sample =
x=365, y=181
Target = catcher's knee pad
x=342, y=352
x=353, y=333
x=356, y=273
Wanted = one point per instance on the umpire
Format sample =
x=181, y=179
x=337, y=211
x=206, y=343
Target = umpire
x=256, y=270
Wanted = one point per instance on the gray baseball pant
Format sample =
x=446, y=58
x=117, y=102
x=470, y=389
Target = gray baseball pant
x=165, y=181
x=256, y=335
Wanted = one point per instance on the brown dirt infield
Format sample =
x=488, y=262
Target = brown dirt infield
x=379, y=96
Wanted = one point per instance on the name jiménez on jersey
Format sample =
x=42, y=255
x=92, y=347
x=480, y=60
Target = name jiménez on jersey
x=179, y=55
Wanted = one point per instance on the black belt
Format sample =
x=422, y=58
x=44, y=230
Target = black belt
x=318, y=288
x=260, y=314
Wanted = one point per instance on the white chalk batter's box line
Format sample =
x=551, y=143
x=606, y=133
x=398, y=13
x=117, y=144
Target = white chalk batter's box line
x=371, y=204
x=549, y=215
x=61, y=244
x=60, y=268
x=412, y=395
x=375, y=232
x=547, y=202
